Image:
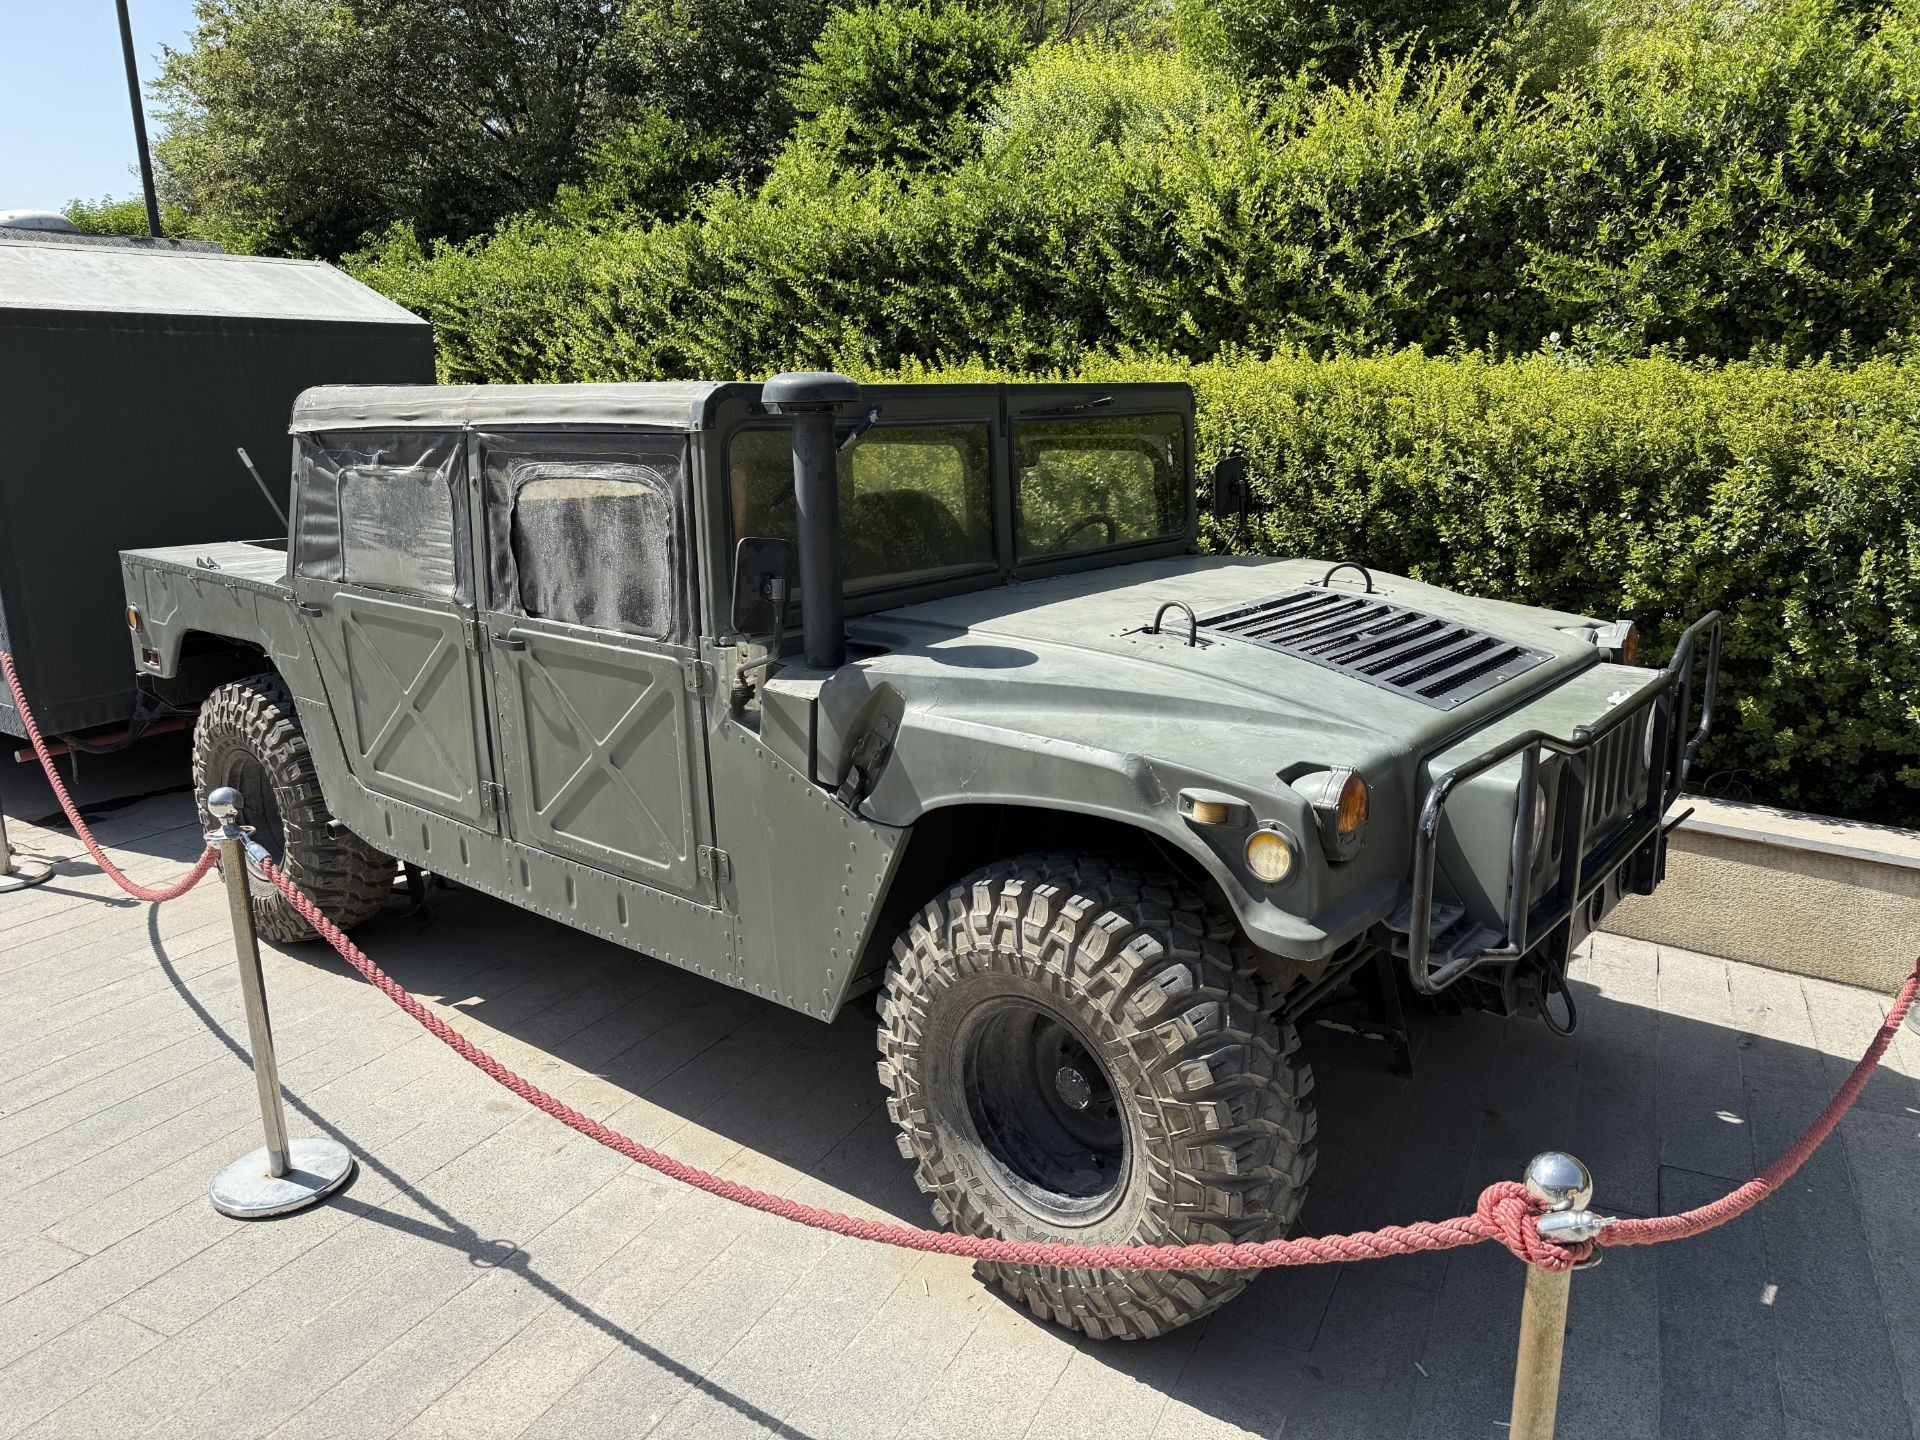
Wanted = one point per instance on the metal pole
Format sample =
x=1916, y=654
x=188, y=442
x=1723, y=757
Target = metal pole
x=1566, y=1187
x=17, y=874
x=139, y=121
x=282, y=1175
x=1543, y=1333
x=253, y=989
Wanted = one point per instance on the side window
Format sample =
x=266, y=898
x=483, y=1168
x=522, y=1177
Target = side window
x=588, y=532
x=387, y=510
x=915, y=500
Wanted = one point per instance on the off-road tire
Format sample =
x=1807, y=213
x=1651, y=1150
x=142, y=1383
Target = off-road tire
x=1214, y=1098
x=250, y=729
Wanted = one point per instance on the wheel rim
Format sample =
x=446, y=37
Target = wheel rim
x=259, y=812
x=1045, y=1109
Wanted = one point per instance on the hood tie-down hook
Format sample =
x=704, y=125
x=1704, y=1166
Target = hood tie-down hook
x=1325, y=582
x=1193, y=622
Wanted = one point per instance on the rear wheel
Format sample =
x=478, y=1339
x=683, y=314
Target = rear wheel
x=249, y=737
x=1074, y=1054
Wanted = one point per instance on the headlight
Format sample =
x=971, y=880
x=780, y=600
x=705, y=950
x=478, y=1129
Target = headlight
x=1340, y=802
x=1539, y=824
x=1270, y=855
x=1653, y=728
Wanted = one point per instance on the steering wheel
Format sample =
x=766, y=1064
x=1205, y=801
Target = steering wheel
x=1098, y=517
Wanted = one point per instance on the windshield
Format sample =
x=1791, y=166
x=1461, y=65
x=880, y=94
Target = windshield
x=1090, y=483
x=915, y=500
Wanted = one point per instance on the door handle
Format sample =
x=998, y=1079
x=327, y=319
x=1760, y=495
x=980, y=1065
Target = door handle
x=306, y=609
x=510, y=642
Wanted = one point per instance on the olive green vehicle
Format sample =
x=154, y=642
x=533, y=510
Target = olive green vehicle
x=818, y=689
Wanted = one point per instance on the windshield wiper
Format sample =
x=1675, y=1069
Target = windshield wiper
x=1071, y=409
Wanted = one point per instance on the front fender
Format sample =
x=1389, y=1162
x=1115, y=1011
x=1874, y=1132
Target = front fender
x=937, y=760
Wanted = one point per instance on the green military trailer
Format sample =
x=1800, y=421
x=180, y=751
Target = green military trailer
x=819, y=689
x=133, y=372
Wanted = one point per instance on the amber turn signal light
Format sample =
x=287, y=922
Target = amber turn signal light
x=1351, y=816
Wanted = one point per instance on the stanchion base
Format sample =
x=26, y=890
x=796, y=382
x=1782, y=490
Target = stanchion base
x=315, y=1169
x=25, y=873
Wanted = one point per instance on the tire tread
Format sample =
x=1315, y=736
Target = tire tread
x=347, y=878
x=1222, y=1091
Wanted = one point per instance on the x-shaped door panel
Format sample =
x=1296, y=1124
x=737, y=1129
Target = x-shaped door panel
x=599, y=754
x=407, y=683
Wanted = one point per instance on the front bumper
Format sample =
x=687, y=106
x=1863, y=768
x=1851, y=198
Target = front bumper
x=1608, y=825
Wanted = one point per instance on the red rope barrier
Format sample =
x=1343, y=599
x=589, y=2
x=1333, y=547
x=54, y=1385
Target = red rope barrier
x=1656, y=1228
x=1506, y=1211
x=113, y=872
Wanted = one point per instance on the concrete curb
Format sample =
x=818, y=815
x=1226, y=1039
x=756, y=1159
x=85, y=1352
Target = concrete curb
x=1806, y=894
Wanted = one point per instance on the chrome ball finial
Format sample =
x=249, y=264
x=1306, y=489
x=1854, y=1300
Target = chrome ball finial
x=1559, y=1180
x=224, y=805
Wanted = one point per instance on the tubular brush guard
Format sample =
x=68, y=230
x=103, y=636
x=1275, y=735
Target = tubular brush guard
x=1527, y=924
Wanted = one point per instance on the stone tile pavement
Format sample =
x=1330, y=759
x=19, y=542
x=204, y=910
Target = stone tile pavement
x=490, y=1273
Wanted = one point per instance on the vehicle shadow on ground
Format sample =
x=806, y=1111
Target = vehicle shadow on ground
x=444, y=1227
x=1763, y=1328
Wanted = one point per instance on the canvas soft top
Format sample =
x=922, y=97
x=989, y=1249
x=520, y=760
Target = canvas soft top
x=666, y=405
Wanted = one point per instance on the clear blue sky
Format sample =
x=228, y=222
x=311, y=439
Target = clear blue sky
x=65, y=130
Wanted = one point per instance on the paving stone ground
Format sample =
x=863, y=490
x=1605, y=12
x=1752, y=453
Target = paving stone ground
x=491, y=1274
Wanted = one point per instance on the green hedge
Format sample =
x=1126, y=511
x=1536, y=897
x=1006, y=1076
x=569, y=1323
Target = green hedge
x=1787, y=497
x=1729, y=181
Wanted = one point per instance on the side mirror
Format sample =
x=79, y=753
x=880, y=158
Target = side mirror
x=1230, y=487
x=762, y=581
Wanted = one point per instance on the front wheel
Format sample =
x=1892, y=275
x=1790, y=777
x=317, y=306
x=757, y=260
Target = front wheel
x=1073, y=1055
x=248, y=737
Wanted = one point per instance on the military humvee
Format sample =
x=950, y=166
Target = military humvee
x=1100, y=816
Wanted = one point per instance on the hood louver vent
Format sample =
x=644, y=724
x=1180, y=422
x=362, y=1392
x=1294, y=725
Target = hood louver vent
x=1438, y=662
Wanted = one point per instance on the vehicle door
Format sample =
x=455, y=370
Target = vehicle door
x=383, y=575
x=593, y=668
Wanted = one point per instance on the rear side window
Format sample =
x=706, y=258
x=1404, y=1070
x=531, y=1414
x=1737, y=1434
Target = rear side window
x=387, y=510
x=1085, y=484
x=586, y=532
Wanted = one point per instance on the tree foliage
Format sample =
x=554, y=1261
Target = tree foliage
x=1747, y=190
x=303, y=125
x=1265, y=40
x=904, y=82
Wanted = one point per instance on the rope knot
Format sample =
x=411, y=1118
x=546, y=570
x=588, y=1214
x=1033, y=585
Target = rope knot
x=1511, y=1213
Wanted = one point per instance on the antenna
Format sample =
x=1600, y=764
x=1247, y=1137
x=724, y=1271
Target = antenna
x=140, y=128
x=247, y=461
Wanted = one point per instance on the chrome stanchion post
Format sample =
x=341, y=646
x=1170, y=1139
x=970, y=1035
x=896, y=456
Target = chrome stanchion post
x=1563, y=1183
x=283, y=1174
x=15, y=873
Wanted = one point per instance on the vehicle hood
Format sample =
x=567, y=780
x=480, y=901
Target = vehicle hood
x=1072, y=657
